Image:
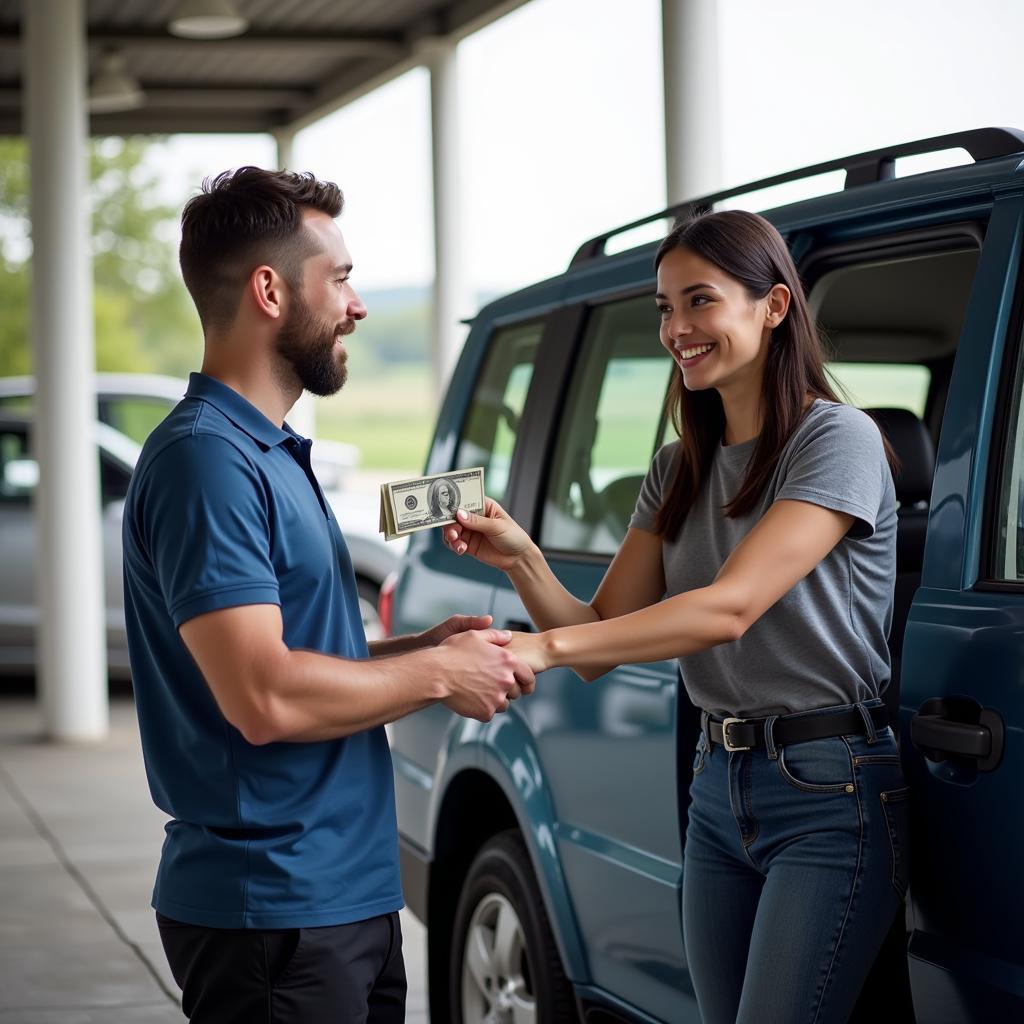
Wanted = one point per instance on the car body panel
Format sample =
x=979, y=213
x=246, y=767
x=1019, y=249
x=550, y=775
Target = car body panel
x=967, y=950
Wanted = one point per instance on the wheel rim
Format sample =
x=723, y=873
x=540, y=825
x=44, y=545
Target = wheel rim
x=497, y=986
x=371, y=620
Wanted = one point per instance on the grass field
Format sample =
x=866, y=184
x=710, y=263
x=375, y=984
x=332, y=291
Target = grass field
x=388, y=416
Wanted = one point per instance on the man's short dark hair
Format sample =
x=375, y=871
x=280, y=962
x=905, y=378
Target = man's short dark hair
x=242, y=219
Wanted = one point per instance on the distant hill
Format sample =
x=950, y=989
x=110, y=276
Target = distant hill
x=386, y=300
x=397, y=328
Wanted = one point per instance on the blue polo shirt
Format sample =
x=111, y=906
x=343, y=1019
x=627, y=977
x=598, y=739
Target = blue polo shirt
x=224, y=510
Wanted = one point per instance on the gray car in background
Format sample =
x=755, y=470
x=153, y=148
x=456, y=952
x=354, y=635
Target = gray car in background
x=138, y=404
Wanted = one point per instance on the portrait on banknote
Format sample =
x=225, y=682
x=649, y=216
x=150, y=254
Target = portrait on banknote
x=443, y=497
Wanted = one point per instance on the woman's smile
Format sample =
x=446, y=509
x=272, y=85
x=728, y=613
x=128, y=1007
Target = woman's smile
x=688, y=355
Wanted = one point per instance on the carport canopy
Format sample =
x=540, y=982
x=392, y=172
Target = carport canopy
x=294, y=62
x=297, y=60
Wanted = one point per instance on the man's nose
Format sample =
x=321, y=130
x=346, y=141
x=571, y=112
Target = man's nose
x=356, y=308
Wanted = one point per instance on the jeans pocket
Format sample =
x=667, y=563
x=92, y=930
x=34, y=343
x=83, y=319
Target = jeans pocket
x=817, y=766
x=698, y=760
x=896, y=809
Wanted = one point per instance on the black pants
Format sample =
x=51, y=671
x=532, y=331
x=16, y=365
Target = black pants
x=346, y=974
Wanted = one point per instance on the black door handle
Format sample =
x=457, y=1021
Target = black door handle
x=960, y=728
x=520, y=626
x=938, y=733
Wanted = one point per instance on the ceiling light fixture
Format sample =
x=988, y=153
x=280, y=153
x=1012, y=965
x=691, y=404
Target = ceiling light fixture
x=207, y=19
x=114, y=88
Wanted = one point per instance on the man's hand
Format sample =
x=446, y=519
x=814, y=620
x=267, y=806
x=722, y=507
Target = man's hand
x=483, y=676
x=452, y=626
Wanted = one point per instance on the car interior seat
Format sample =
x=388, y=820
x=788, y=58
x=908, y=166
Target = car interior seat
x=913, y=446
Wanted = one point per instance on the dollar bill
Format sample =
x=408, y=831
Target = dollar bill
x=421, y=503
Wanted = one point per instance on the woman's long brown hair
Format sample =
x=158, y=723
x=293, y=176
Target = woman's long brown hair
x=749, y=249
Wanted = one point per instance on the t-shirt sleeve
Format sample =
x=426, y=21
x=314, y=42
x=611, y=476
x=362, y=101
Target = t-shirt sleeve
x=839, y=463
x=651, y=490
x=206, y=528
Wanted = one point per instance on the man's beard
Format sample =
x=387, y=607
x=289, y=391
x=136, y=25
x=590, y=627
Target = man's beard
x=306, y=343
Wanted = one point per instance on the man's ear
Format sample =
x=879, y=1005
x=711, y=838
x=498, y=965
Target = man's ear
x=268, y=292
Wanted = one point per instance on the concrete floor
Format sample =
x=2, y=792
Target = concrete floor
x=79, y=842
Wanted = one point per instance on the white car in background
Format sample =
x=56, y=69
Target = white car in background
x=134, y=401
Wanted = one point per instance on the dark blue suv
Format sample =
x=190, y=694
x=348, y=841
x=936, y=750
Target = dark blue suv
x=543, y=849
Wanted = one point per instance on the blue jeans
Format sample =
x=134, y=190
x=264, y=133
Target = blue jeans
x=795, y=865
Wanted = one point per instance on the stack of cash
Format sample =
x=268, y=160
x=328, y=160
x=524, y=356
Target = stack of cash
x=407, y=506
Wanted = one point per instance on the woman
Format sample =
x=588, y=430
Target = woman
x=762, y=555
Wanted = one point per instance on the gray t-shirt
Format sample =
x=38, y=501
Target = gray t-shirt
x=824, y=642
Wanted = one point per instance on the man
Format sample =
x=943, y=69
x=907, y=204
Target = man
x=260, y=706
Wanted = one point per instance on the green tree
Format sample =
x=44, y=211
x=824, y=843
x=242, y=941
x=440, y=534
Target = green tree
x=143, y=317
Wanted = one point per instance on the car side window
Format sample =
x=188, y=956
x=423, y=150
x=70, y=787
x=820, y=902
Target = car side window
x=612, y=425
x=874, y=385
x=19, y=472
x=134, y=415
x=492, y=422
x=1009, y=561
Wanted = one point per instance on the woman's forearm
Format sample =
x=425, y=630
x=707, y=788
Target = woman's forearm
x=678, y=626
x=548, y=603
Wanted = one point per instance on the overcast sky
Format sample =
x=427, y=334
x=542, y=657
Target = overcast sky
x=562, y=120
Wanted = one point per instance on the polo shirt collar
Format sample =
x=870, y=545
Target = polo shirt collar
x=239, y=410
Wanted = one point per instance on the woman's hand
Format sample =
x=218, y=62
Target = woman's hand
x=493, y=538
x=532, y=649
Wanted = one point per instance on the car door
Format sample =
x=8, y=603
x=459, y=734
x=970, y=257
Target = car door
x=963, y=669
x=434, y=583
x=19, y=475
x=608, y=749
x=115, y=475
x=19, y=611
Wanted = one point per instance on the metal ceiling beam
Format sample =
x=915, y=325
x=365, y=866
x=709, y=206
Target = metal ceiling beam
x=460, y=19
x=198, y=96
x=339, y=44
x=141, y=122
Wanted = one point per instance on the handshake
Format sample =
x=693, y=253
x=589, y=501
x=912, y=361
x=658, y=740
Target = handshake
x=482, y=669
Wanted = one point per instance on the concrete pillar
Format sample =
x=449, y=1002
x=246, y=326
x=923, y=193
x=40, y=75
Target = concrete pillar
x=451, y=302
x=71, y=635
x=691, y=81
x=284, y=140
x=303, y=413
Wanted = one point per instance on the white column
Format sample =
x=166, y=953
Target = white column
x=284, y=139
x=452, y=302
x=302, y=416
x=71, y=636
x=691, y=81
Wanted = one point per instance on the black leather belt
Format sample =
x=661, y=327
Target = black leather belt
x=748, y=733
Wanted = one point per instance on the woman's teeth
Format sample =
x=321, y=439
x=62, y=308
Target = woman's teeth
x=689, y=353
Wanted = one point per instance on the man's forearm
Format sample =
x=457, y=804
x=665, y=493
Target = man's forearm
x=308, y=697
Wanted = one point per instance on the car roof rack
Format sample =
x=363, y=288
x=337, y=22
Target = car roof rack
x=861, y=169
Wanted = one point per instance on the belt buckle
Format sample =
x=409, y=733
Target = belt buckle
x=726, y=722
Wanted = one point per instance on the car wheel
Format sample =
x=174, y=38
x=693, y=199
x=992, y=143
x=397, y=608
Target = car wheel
x=369, y=592
x=505, y=966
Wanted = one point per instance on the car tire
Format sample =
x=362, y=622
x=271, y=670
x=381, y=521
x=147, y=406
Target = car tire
x=369, y=593
x=504, y=965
